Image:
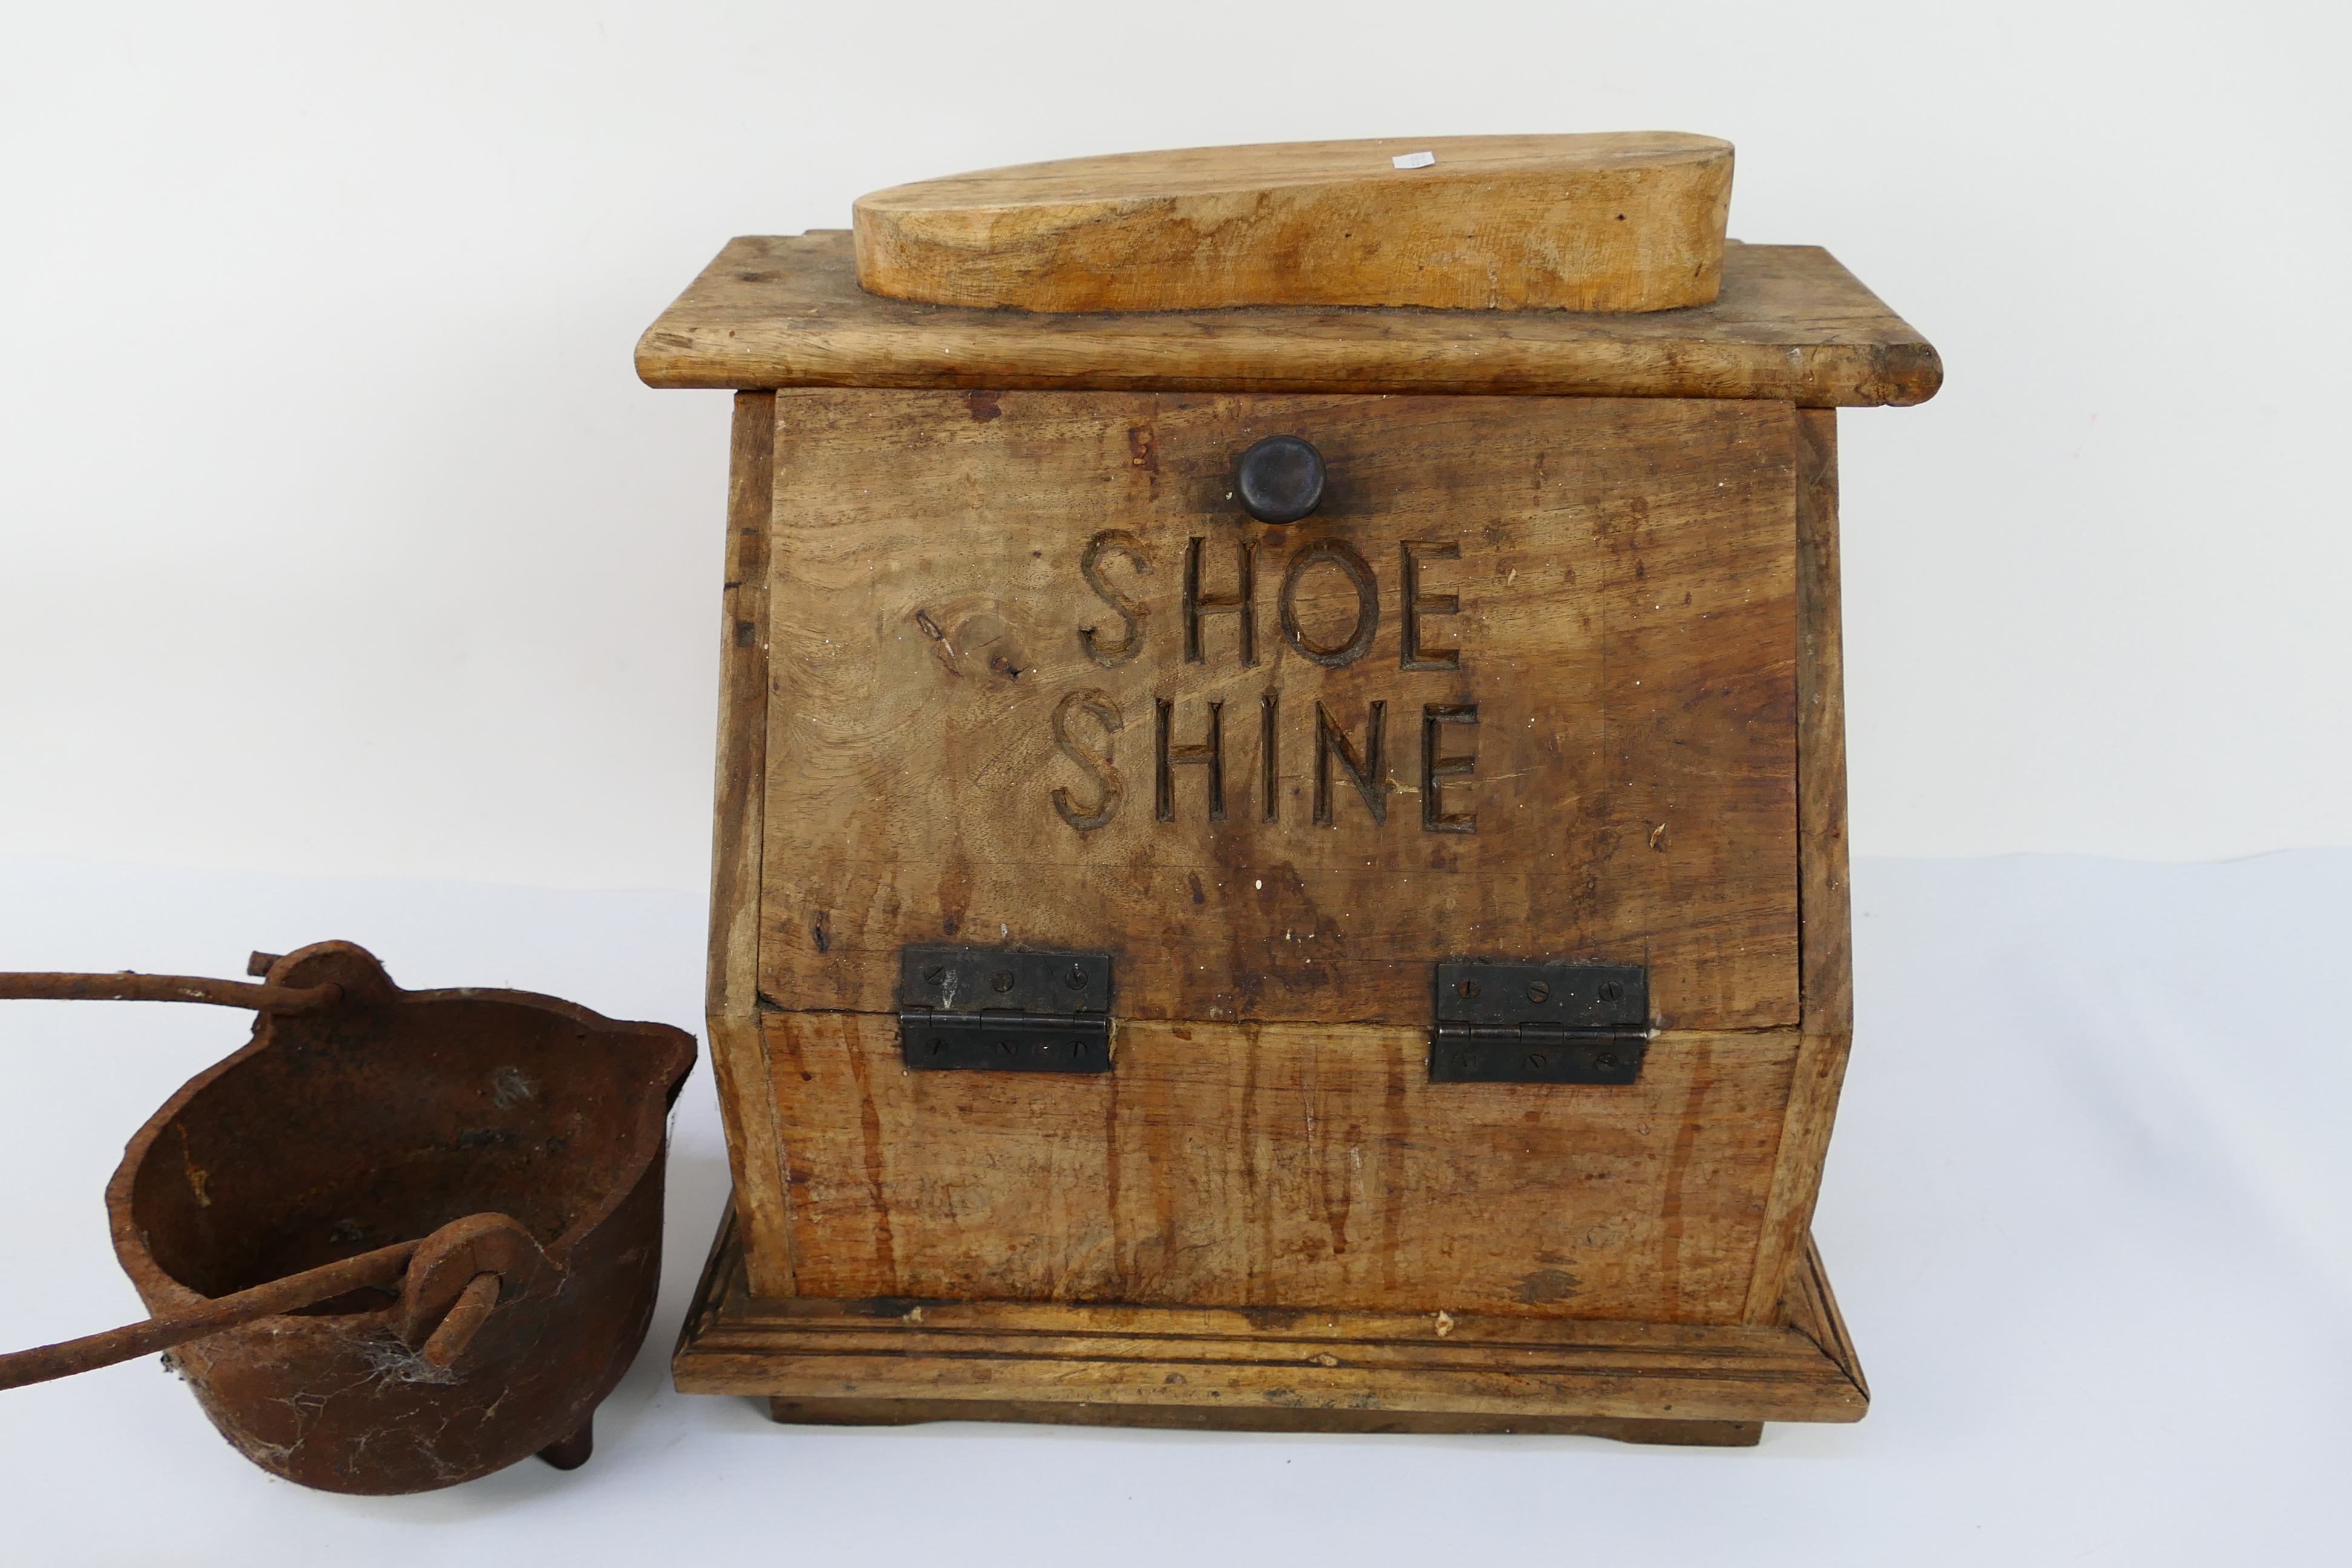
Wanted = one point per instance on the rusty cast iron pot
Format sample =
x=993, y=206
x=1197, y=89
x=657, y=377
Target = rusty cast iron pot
x=489, y=1161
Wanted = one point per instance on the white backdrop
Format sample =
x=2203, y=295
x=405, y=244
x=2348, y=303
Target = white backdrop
x=336, y=534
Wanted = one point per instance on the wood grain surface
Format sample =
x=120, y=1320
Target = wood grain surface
x=1789, y=324
x=1263, y=1369
x=1623, y=221
x=1826, y=938
x=1569, y=735
x=738, y=1055
x=1291, y=1165
x=734, y=936
x=1810, y=1308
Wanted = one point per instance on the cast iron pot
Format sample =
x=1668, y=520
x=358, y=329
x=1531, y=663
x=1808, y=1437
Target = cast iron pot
x=399, y=1240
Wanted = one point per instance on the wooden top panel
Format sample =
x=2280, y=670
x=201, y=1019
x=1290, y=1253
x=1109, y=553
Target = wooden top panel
x=1789, y=324
x=1627, y=221
x=1522, y=688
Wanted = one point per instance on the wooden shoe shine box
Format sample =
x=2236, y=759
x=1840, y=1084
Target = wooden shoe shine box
x=1176, y=960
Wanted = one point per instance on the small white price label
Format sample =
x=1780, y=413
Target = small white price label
x=1414, y=160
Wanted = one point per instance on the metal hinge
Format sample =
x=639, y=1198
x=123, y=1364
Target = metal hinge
x=992, y=1010
x=1540, y=1022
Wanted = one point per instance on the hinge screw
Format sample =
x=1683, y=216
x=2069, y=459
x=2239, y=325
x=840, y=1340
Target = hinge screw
x=1538, y=991
x=1611, y=991
x=1003, y=980
x=1076, y=978
x=934, y=974
x=1466, y=987
x=1536, y=1061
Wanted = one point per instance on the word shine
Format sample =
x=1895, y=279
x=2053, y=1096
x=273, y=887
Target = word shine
x=1357, y=758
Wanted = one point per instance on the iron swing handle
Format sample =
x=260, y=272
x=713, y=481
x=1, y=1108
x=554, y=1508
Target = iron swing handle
x=88, y=1353
x=129, y=987
x=456, y=1323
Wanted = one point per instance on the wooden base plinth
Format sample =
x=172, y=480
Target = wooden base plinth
x=1213, y=1419
x=890, y=1362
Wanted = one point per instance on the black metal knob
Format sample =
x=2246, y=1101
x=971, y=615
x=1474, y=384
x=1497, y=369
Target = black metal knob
x=1280, y=479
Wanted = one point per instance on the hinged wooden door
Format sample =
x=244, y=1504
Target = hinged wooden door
x=1523, y=686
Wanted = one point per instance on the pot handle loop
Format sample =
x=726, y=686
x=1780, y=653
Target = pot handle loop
x=459, y=1275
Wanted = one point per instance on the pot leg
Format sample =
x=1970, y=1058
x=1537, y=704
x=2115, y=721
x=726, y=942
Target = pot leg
x=571, y=1451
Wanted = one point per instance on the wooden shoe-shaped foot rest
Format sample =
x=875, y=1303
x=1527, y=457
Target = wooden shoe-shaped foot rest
x=888, y=1363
